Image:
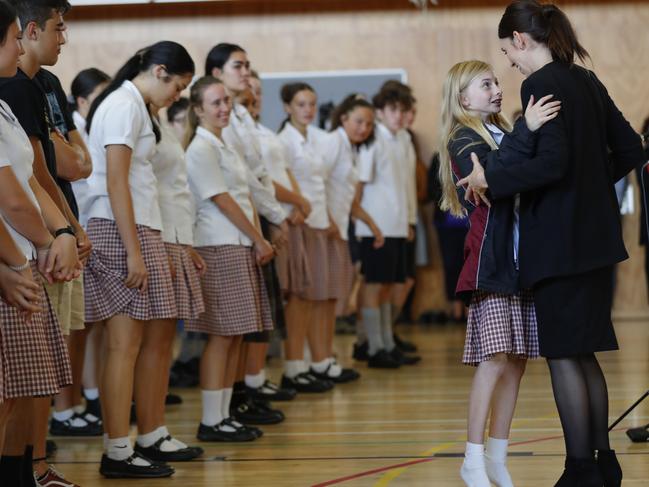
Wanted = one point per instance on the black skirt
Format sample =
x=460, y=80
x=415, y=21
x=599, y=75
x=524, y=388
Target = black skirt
x=574, y=314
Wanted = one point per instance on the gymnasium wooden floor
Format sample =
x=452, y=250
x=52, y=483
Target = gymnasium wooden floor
x=395, y=428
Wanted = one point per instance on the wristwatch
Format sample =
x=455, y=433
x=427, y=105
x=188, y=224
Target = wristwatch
x=69, y=230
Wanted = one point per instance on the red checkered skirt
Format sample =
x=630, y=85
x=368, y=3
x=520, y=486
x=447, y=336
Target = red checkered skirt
x=35, y=360
x=341, y=270
x=321, y=287
x=105, y=292
x=291, y=263
x=500, y=323
x=186, y=281
x=236, y=301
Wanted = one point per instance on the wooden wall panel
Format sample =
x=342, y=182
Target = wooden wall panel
x=378, y=34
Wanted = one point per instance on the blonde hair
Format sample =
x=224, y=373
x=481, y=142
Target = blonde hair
x=453, y=117
x=196, y=100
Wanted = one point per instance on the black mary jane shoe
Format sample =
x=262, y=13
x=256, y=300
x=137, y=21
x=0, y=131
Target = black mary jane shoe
x=127, y=469
x=254, y=411
x=217, y=434
x=271, y=392
x=346, y=375
x=307, y=382
x=181, y=455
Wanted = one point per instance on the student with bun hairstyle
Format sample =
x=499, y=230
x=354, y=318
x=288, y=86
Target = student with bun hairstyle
x=128, y=282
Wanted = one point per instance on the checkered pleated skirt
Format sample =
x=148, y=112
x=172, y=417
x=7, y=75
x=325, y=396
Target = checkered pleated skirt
x=236, y=300
x=341, y=270
x=186, y=281
x=106, y=271
x=500, y=323
x=317, y=248
x=291, y=263
x=35, y=360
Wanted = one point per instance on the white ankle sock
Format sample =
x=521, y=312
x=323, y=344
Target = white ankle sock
x=496, y=462
x=386, y=326
x=79, y=409
x=320, y=367
x=148, y=439
x=225, y=402
x=91, y=394
x=119, y=448
x=334, y=368
x=292, y=368
x=473, y=469
x=105, y=441
x=372, y=324
x=63, y=415
x=257, y=380
x=212, y=404
x=164, y=432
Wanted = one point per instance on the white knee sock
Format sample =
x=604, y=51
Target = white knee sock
x=372, y=324
x=473, y=469
x=212, y=407
x=386, y=326
x=496, y=462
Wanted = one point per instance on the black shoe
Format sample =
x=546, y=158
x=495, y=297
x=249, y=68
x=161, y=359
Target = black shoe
x=360, y=352
x=638, y=435
x=382, y=360
x=66, y=428
x=90, y=418
x=271, y=392
x=123, y=469
x=346, y=375
x=255, y=411
x=173, y=399
x=404, y=359
x=215, y=433
x=580, y=473
x=154, y=453
x=404, y=345
x=306, y=382
x=93, y=406
x=50, y=448
x=610, y=468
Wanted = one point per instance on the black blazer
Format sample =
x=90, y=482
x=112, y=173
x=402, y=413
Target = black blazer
x=570, y=221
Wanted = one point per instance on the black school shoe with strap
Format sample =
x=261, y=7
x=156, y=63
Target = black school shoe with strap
x=346, y=375
x=68, y=428
x=404, y=359
x=271, y=392
x=254, y=411
x=217, y=434
x=154, y=452
x=127, y=469
x=307, y=382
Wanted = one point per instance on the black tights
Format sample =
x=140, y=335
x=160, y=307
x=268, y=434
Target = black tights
x=581, y=396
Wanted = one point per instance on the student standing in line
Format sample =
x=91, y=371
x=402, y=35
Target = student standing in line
x=85, y=87
x=571, y=234
x=501, y=328
x=228, y=238
x=383, y=171
x=230, y=64
x=307, y=313
x=128, y=280
x=35, y=358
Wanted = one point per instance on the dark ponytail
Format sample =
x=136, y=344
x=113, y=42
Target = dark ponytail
x=546, y=24
x=219, y=55
x=172, y=55
x=8, y=16
x=347, y=106
x=288, y=92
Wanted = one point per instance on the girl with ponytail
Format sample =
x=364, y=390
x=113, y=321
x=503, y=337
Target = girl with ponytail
x=570, y=231
x=128, y=282
x=228, y=238
x=501, y=325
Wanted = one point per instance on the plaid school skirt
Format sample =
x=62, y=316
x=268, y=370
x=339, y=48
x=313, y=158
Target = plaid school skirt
x=500, y=323
x=341, y=270
x=236, y=300
x=35, y=360
x=186, y=282
x=106, y=271
x=291, y=263
x=318, y=251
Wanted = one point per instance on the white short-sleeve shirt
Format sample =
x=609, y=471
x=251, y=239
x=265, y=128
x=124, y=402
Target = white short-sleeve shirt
x=214, y=169
x=174, y=197
x=306, y=163
x=382, y=168
x=16, y=152
x=341, y=177
x=80, y=186
x=275, y=157
x=123, y=119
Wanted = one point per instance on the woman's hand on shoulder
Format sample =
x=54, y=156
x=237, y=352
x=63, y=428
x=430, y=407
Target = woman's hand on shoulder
x=541, y=112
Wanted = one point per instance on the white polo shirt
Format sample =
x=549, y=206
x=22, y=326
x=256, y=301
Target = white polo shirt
x=174, y=197
x=341, y=177
x=123, y=119
x=241, y=136
x=16, y=152
x=275, y=158
x=213, y=169
x=80, y=186
x=410, y=157
x=306, y=163
x=382, y=168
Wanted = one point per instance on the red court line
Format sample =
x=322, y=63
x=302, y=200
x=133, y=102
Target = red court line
x=421, y=460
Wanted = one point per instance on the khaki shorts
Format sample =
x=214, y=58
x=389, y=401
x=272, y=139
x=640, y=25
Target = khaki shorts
x=68, y=303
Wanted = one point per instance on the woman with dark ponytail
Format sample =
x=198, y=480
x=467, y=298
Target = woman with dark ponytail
x=570, y=231
x=128, y=281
